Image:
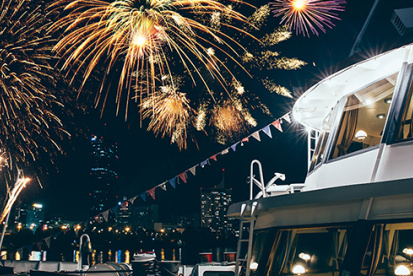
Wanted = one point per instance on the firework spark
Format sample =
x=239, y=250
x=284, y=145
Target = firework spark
x=170, y=115
x=28, y=126
x=230, y=119
x=140, y=36
x=308, y=15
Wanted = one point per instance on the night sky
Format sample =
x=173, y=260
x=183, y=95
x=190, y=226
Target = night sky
x=146, y=161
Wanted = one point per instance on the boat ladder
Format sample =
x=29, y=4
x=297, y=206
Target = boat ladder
x=247, y=221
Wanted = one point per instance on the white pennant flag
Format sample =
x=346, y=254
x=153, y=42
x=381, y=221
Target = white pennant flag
x=287, y=117
x=105, y=215
x=256, y=135
x=193, y=170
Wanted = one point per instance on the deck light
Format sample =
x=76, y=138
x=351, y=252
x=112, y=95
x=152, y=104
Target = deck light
x=388, y=100
x=401, y=270
x=304, y=256
x=381, y=116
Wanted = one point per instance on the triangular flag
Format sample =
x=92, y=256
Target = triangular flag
x=204, y=163
x=47, y=241
x=246, y=139
x=256, y=135
x=132, y=200
x=287, y=117
x=183, y=176
x=277, y=125
x=193, y=170
x=105, y=215
x=143, y=196
x=173, y=182
x=97, y=218
x=234, y=146
x=225, y=151
x=115, y=210
x=124, y=205
x=267, y=131
x=152, y=193
x=163, y=186
x=214, y=157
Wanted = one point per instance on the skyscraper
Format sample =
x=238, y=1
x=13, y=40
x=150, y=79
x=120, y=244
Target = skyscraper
x=214, y=206
x=103, y=175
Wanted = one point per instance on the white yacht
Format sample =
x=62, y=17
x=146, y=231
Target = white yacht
x=353, y=215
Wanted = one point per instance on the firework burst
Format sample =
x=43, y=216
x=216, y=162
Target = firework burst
x=308, y=15
x=170, y=114
x=140, y=36
x=28, y=126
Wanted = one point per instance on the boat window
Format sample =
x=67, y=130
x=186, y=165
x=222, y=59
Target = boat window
x=322, y=140
x=390, y=250
x=301, y=251
x=364, y=116
x=406, y=128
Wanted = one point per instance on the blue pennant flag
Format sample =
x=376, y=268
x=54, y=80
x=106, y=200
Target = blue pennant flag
x=173, y=182
x=204, y=163
x=234, y=146
x=143, y=196
x=267, y=131
x=115, y=210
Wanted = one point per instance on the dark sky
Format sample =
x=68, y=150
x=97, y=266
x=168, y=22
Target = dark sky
x=146, y=161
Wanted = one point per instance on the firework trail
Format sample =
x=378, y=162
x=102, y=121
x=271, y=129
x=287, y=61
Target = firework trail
x=308, y=15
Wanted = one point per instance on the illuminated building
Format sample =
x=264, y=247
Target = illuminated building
x=30, y=216
x=214, y=206
x=145, y=216
x=103, y=175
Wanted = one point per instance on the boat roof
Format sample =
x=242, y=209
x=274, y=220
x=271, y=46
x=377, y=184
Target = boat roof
x=314, y=104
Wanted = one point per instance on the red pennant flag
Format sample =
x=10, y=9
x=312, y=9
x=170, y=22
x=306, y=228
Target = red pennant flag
x=124, y=205
x=97, y=218
x=214, y=157
x=277, y=125
x=152, y=193
x=246, y=139
x=183, y=176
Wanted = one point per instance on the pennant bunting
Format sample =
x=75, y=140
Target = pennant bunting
x=234, y=146
x=246, y=139
x=152, y=193
x=204, y=163
x=287, y=117
x=225, y=151
x=193, y=170
x=124, y=205
x=214, y=157
x=183, y=176
x=97, y=219
x=163, y=186
x=143, y=196
x=105, y=215
x=267, y=131
x=277, y=125
x=173, y=182
x=256, y=135
x=115, y=210
x=132, y=200
x=47, y=241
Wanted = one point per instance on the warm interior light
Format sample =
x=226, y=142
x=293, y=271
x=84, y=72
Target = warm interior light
x=254, y=266
x=361, y=134
x=401, y=270
x=381, y=116
x=408, y=251
x=298, y=269
x=299, y=4
x=387, y=100
x=304, y=256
